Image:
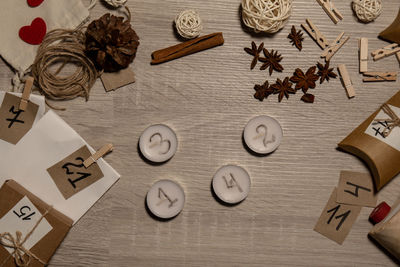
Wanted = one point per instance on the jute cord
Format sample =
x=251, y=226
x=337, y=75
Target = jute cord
x=266, y=15
x=17, y=244
x=391, y=123
x=188, y=24
x=64, y=47
x=367, y=10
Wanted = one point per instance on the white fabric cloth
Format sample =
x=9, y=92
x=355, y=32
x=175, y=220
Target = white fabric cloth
x=15, y=14
x=48, y=142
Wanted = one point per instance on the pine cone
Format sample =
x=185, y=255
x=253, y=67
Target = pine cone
x=111, y=43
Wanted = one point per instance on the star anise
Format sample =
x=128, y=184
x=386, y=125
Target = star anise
x=304, y=81
x=254, y=51
x=325, y=72
x=271, y=60
x=262, y=91
x=296, y=38
x=283, y=88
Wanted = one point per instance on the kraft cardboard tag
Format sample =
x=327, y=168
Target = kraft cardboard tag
x=356, y=189
x=336, y=219
x=23, y=217
x=114, y=80
x=15, y=123
x=71, y=176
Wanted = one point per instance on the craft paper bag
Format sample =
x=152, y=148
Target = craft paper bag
x=20, y=210
x=48, y=143
x=387, y=232
x=382, y=154
x=14, y=14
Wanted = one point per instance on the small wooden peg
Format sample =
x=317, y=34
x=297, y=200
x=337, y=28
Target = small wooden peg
x=330, y=10
x=385, y=51
x=315, y=34
x=348, y=84
x=363, y=54
x=99, y=154
x=376, y=76
x=26, y=93
x=333, y=47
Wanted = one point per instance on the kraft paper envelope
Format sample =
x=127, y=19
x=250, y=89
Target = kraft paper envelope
x=50, y=141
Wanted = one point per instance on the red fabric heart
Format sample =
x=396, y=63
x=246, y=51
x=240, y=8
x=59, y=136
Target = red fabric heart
x=34, y=33
x=34, y=3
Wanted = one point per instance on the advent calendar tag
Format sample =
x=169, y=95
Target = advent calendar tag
x=356, y=189
x=71, y=176
x=23, y=217
x=376, y=129
x=15, y=123
x=336, y=219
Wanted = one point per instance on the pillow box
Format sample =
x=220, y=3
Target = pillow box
x=20, y=210
x=381, y=154
x=14, y=15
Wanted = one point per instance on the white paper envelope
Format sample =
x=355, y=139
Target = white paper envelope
x=48, y=142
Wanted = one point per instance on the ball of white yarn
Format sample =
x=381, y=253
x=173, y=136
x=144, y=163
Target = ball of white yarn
x=266, y=15
x=188, y=24
x=116, y=3
x=367, y=10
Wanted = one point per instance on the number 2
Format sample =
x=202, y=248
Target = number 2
x=22, y=213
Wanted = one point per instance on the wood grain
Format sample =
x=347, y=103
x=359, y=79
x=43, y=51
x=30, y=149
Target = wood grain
x=207, y=98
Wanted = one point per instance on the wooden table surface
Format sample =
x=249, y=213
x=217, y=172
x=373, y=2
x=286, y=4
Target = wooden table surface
x=207, y=98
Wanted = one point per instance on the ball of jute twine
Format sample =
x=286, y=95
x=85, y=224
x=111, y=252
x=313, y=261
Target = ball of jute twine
x=188, y=24
x=367, y=10
x=64, y=47
x=266, y=15
x=115, y=3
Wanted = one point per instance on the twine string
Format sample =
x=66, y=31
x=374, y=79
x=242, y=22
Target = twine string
x=64, y=47
x=391, y=123
x=17, y=243
x=367, y=10
x=188, y=24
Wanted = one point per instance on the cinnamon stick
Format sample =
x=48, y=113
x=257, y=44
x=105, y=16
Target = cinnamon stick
x=187, y=48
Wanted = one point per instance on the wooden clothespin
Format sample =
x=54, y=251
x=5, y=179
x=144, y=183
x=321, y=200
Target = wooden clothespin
x=363, y=54
x=376, y=76
x=315, y=34
x=348, y=84
x=333, y=47
x=99, y=154
x=26, y=93
x=386, y=51
x=330, y=10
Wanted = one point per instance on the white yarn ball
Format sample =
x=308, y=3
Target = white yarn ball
x=116, y=3
x=188, y=24
x=367, y=10
x=266, y=15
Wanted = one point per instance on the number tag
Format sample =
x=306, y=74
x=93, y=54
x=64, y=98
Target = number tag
x=71, y=176
x=15, y=123
x=23, y=217
x=375, y=129
x=337, y=219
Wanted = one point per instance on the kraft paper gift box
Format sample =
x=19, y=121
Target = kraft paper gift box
x=43, y=227
x=368, y=141
x=48, y=161
x=387, y=232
